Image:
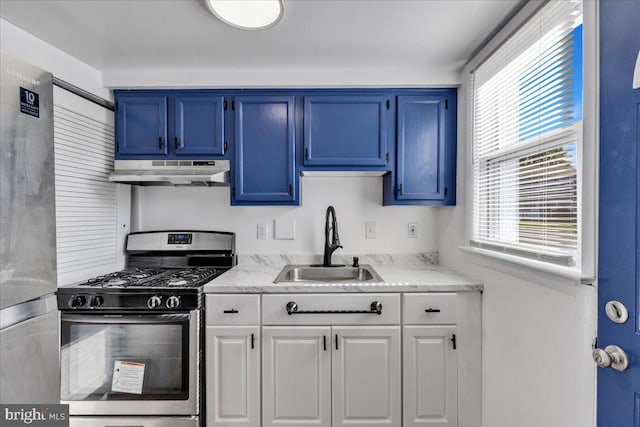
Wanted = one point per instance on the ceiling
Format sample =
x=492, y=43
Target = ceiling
x=120, y=35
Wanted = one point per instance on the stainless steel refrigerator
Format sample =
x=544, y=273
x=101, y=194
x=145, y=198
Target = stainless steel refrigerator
x=29, y=322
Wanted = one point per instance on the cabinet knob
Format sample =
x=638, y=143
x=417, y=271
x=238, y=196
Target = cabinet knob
x=292, y=307
x=376, y=306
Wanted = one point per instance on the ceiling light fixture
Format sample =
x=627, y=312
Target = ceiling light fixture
x=247, y=14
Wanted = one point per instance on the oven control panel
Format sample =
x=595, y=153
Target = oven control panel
x=180, y=239
x=157, y=301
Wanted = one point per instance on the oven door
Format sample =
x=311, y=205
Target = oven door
x=153, y=357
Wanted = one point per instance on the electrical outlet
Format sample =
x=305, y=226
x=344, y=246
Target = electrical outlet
x=370, y=230
x=261, y=231
x=413, y=230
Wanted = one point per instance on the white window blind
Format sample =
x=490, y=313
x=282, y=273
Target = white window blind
x=526, y=115
x=86, y=203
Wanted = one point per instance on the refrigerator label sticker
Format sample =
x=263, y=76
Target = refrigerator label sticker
x=29, y=102
x=127, y=377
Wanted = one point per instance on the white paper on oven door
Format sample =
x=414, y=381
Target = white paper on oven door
x=127, y=377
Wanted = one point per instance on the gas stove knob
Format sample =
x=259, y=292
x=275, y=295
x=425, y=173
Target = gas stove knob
x=154, y=302
x=173, y=302
x=96, y=301
x=77, y=301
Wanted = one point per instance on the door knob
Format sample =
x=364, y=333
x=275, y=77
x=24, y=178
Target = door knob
x=613, y=356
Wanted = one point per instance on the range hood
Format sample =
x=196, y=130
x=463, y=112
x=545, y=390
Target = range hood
x=171, y=172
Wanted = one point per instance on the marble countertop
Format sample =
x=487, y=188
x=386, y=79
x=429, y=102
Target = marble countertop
x=407, y=273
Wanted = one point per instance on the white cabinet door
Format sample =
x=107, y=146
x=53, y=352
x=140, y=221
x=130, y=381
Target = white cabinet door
x=430, y=376
x=366, y=376
x=296, y=376
x=233, y=376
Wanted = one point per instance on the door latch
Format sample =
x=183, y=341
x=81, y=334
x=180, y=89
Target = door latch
x=612, y=356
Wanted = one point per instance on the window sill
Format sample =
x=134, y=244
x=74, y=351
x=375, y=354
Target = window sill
x=528, y=269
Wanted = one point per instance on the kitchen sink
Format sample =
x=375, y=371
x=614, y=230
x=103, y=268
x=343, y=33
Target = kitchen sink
x=309, y=274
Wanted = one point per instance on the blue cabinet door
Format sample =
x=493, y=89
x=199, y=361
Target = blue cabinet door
x=346, y=130
x=141, y=125
x=421, y=148
x=199, y=125
x=264, y=150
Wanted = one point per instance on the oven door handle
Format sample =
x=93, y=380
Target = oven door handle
x=111, y=318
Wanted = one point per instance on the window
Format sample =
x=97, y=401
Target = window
x=526, y=117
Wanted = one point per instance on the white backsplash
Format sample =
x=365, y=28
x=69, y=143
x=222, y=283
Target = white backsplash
x=356, y=200
x=278, y=260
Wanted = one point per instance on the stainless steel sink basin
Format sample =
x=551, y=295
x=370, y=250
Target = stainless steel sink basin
x=309, y=274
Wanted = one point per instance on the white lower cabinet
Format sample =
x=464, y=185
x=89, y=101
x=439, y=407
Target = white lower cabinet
x=233, y=376
x=296, y=376
x=310, y=373
x=430, y=376
x=366, y=376
x=335, y=363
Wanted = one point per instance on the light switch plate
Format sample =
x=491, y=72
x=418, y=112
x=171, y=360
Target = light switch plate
x=413, y=230
x=370, y=230
x=285, y=228
x=261, y=231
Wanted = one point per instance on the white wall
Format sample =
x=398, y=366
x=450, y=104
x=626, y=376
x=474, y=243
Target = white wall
x=537, y=327
x=277, y=78
x=356, y=199
x=536, y=356
x=40, y=53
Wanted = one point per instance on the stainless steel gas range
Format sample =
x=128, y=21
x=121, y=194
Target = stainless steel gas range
x=131, y=341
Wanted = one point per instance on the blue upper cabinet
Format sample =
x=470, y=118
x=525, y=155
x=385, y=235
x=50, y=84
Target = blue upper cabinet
x=264, y=149
x=346, y=130
x=425, y=151
x=169, y=124
x=141, y=125
x=409, y=135
x=199, y=125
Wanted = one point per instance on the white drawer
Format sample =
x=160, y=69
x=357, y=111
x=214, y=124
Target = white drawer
x=232, y=309
x=274, y=309
x=430, y=309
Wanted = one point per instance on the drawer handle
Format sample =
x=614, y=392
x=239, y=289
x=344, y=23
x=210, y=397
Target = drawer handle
x=232, y=311
x=374, y=308
x=432, y=310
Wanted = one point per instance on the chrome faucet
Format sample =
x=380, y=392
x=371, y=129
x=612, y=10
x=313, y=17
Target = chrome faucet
x=329, y=248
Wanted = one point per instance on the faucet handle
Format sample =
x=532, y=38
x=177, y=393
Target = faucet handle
x=356, y=262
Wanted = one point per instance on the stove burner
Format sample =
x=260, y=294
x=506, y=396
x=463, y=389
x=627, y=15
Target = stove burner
x=176, y=282
x=139, y=275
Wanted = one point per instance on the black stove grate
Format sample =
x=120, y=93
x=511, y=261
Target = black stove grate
x=123, y=278
x=182, y=278
x=155, y=278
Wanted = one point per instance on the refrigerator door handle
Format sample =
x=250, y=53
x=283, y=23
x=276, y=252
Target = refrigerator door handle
x=18, y=313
